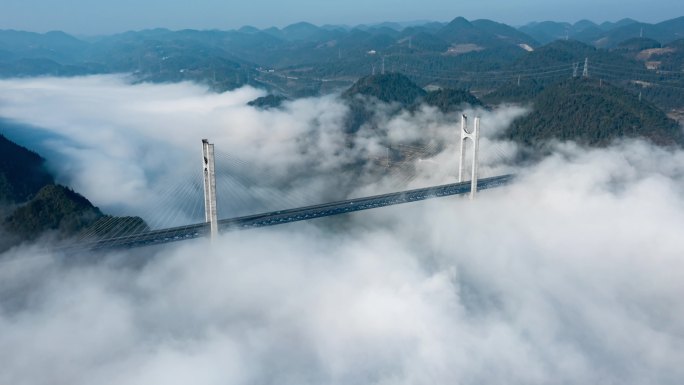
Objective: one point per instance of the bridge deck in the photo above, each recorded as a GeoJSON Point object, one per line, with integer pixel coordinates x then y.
{"type": "Point", "coordinates": [290, 215]}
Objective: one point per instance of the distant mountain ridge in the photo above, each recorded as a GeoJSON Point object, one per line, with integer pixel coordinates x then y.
{"type": "Point", "coordinates": [607, 34]}
{"type": "Point", "coordinates": [481, 56]}
{"type": "Point", "coordinates": [303, 52]}
{"type": "Point", "coordinates": [303, 59]}
{"type": "Point", "coordinates": [229, 59]}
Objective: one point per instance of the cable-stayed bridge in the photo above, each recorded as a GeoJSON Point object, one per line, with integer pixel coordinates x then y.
{"type": "Point", "coordinates": [212, 225]}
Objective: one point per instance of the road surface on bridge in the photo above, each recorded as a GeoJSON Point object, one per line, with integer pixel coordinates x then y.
{"type": "Point", "coordinates": [180, 233]}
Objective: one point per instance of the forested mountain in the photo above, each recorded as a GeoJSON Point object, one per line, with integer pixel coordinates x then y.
{"type": "Point", "coordinates": [592, 112]}
{"type": "Point", "coordinates": [505, 33]}
{"type": "Point", "coordinates": [400, 93]}
{"type": "Point", "coordinates": [605, 35]}
{"type": "Point", "coordinates": [31, 205]}
{"type": "Point", "coordinates": [396, 89]}
{"type": "Point", "coordinates": [268, 101]}
{"type": "Point", "coordinates": [482, 34]}
{"type": "Point", "coordinates": [450, 100]}
{"type": "Point", "coordinates": [57, 46]}
{"type": "Point", "coordinates": [668, 58]}
{"type": "Point", "coordinates": [564, 52]}
{"type": "Point", "coordinates": [389, 88]}
{"type": "Point", "coordinates": [514, 93]}
{"type": "Point", "coordinates": [583, 30]}
{"type": "Point", "coordinates": [625, 67]}
{"type": "Point", "coordinates": [664, 32]}
{"type": "Point", "coordinates": [637, 44]}
{"type": "Point", "coordinates": [53, 208]}
{"type": "Point", "coordinates": [22, 172]}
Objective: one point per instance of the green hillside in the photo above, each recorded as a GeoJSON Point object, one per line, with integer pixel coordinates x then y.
{"type": "Point", "coordinates": [388, 88]}
{"type": "Point", "coordinates": [449, 100]}
{"type": "Point", "coordinates": [637, 44]}
{"type": "Point", "coordinates": [66, 213]}
{"type": "Point", "coordinates": [402, 93]}
{"type": "Point", "coordinates": [595, 113]}
{"type": "Point", "coordinates": [268, 101]}
{"type": "Point", "coordinates": [515, 93]}
{"type": "Point", "coordinates": [22, 172]}
{"type": "Point", "coordinates": [31, 204]}
{"type": "Point", "coordinates": [53, 208]}
{"type": "Point", "coordinates": [562, 52]}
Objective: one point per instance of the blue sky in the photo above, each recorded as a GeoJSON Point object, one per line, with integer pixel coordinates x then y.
{"type": "Point", "coordinates": [108, 16]}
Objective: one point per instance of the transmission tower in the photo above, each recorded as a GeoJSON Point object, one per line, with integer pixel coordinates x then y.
{"type": "Point", "coordinates": [585, 72]}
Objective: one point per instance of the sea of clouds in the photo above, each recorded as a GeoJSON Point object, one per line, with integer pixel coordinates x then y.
{"type": "Point", "coordinates": [570, 275]}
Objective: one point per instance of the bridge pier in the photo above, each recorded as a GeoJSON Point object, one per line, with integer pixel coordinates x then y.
{"type": "Point", "coordinates": [474, 136]}
{"type": "Point", "coordinates": [210, 213]}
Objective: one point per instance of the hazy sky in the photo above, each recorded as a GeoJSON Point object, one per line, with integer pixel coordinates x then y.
{"type": "Point", "coordinates": [98, 16]}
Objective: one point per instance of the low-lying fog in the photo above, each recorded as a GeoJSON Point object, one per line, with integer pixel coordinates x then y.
{"type": "Point", "coordinates": [570, 275]}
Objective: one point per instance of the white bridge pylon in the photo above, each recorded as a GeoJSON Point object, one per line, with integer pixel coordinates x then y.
{"type": "Point", "coordinates": [210, 213]}
{"type": "Point", "coordinates": [208, 167]}
{"type": "Point", "coordinates": [474, 136]}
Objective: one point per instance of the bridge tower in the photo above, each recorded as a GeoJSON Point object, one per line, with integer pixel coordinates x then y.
{"type": "Point", "coordinates": [474, 136]}
{"type": "Point", "coordinates": [210, 214]}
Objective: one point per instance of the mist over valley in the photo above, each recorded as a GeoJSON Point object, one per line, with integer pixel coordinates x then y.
{"type": "Point", "coordinates": [569, 273]}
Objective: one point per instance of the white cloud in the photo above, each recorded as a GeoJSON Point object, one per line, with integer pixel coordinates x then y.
{"type": "Point", "coordinates": [132, 149]}
{"type": "Point", "coordinates": [569, 275]}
